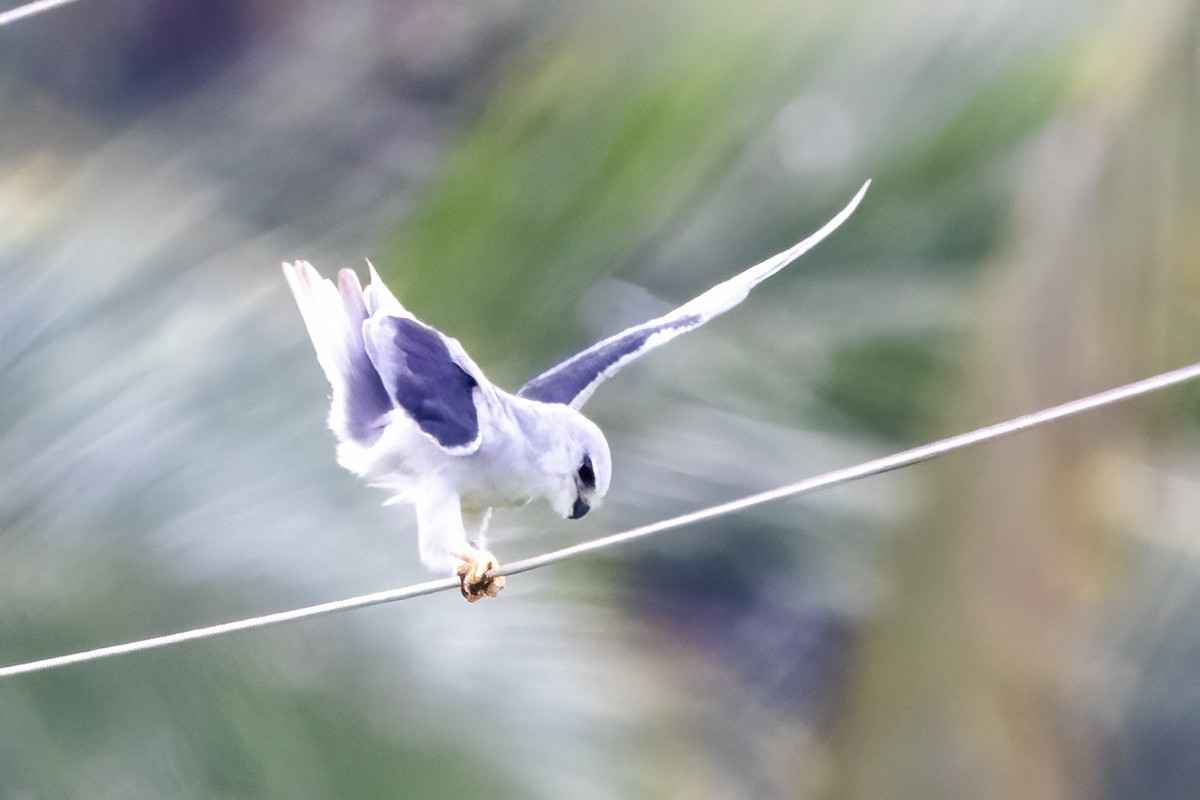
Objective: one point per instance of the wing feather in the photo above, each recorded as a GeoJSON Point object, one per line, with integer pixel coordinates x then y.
{"type": "Point", "coordinates": [378, 358]}
{"type": "Point", "coordinates": [423, 378]}
{"type": "Point", "coordinates": [334, 318]}
{"type": "Point", "coordinates": [573, 381]}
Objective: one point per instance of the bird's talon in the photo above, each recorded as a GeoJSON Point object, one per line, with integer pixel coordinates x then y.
{"type": "Point", "coordinates": [475, 576]}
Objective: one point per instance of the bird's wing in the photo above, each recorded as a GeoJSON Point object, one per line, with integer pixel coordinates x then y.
{"type": "Point", "coordinates": [429, 376]}
{"type": "Point", "coordinates": [573, 381]}
{"type": "Point", "coordinates": [334, 318]}
{"type": "Point", "coordinates": [378, 357]}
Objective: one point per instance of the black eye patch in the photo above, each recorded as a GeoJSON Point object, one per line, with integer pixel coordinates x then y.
{"type": "Point", "coordinates": [587, 475]}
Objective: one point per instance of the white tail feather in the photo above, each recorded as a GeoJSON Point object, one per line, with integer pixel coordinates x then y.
{"type": "Point", "coordinates": [330, 317]}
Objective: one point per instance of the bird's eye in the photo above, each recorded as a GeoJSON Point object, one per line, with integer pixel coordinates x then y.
{"type": "Point", "coordinates": [587, 475]}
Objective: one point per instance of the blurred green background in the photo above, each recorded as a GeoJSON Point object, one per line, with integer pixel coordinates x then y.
{"type": "Point", "coordinates": [1017, 621]}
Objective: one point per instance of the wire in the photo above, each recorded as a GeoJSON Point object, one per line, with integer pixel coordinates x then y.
{"type": "Point", "coordinates": [874, 467]}
{"type": "Point", "coordinates": [29, 9]}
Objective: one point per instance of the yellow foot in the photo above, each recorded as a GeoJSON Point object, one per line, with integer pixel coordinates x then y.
{"type": "Point", "coordinates": [475, 575]}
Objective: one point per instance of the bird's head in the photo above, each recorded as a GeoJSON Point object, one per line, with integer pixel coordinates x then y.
{"type": "Point", "coordinates": [579, 466]}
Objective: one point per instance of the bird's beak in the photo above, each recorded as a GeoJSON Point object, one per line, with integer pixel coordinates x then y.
{"type": "Point", "coordinates": [579, 509]}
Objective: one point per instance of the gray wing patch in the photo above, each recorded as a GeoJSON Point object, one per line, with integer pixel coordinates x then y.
{"type": "Point", "coordinates": [573, 381]}
{"type": "Point", "coordinates": [367, 401]}
{"type": "Point", "coordinates": [423, 378]}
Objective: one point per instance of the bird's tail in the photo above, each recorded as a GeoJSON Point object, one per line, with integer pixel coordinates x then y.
{"type": "Point", "coordinates": [334, 318]}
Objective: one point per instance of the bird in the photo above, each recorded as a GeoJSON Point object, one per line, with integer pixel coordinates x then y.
{"type": "Point", "coordinates": [414, 415]}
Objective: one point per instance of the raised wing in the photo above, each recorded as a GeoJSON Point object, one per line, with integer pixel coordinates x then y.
{"type": "Point", "coordinates": [334, 317]}
{"type": "Point", "coordinates": [422, 377]}
{"type": "Point", "coordinates": [573, 381]}
{"type": "Point", "coordinates": [378, 358]}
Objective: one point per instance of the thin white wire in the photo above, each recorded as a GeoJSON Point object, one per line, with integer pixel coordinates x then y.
{"type": "Point", "coordinates": [29, 9]}
{"type": "Point", "coordinates": [875, 467]}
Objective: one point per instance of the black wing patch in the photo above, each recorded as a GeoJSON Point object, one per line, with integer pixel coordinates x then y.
{"type": "Point", "coordinates": [423, 378]}
{"type": "Point", "coordinates": [573, 380]}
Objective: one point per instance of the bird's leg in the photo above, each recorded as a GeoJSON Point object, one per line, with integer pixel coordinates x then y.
{"type": "Point", "coordinates": [474, 573]}
{"type": "Point", "coordinates": [443, 541]}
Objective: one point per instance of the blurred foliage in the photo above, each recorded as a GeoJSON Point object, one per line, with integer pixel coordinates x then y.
{"type": "Point", "coordinates": [887, 386]}
{"type": "Point", "coordinates": [593, 144]}
{"type": "Point", "coordinates": [946, 187]}
{"type": "Point", "coordinates": [996, 626]}
{"type": "Point", "coordinates": [1023, 554]}
{"type": "Point", "coordinates": [228, 720]}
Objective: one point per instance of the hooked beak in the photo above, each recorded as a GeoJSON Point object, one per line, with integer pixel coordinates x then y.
{"type": "Point", "coordinates": [579, 509]}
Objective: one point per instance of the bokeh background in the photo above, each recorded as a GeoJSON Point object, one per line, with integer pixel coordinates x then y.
{"type": "Point", "coordinates": [1017, 621]}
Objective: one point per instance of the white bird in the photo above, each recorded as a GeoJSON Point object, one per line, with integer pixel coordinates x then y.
{"type": "Point", "coordinates": [415, 416]}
